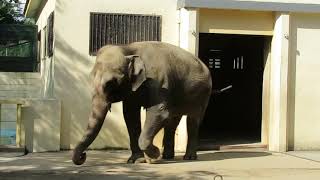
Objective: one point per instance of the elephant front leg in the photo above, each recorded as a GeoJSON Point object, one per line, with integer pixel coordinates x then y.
{"type": "Point", "coordinates": [131, 113]}
{"type": "Point", "coordinates": [168, 139]}
{"type": "Point", "coordinates": [155, 118]}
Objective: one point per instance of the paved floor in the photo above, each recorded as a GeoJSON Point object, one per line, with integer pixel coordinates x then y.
{"type": "Point", "coordinates": [226, 165]}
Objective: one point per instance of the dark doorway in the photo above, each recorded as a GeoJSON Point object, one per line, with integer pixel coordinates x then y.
{"type": "Point", "coordinates": [234, 112]}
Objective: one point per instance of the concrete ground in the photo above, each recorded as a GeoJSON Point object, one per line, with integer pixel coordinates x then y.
{"type": "Point", "coordinates": [213, 165]}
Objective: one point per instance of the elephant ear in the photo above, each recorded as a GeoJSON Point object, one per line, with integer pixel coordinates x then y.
{"type": "Point", "coordinates": [136, 71]}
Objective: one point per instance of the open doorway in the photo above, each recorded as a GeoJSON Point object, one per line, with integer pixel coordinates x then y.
{"type": "Point", "coordinates": [234, 113]}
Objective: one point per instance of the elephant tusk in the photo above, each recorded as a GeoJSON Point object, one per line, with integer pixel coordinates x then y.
{"type": "Point", "coordinates": [109, 107]}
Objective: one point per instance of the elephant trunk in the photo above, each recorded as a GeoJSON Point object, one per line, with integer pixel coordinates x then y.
{"type": "Point", "coordinates": [97, 116]}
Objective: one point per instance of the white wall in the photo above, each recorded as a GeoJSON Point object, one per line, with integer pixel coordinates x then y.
{"type": "Point", "coordinates": [278, 84]}
{"type": "Point", "coordinates": [73, 64]}
{"type": "Point", "coordinates": [19, 85]}
{"type": "Point", "coordinates": [255, 5]}
{"type": "Point", "coordinates": [292, 79]}
{"type": "Point", "coordinates": [41, 120]}
{"type": "Point", "coordinates": [16, 86]}
{"type": "Point", "coordinates": [46, 62]}
{"type": "Point", "coordinates": [22, 85]}
{"type": "Point", "coordinates": [305, 33]}
{"type": "Point", "coordinates": [236, 22]}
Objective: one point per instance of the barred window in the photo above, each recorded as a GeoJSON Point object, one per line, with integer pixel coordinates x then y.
{"type": "Point", "coordinates": [107, 28]}
{"type": "Point", "coordinates": [49, 45]}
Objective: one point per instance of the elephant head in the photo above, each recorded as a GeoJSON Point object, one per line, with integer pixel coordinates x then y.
{"type": "Point", "coordinates": [115, 74]}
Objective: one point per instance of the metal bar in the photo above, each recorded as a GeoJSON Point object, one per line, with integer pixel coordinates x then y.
{"type": "Point", "coordinates": [98, 24]}
{"type": "Point", "coordinates": [8, 46]}
{"type": "Point", "coordinates": [241, 62]}
{"type": "Point", "coordinates": [143, 24]}
{"type": "Point", "coordinates": [18, 126]}
{"type": "Point", "coordinates": [138, 28]}
{"type": "Point", "coordinates": [160, 28]}
{"type": "Point", "coordinates": [108, 29]}
{"type": "Point", "coordinates": [95, 22]}
{"type": "Point", "coordinates": [0, 124]}
{"type": "Point", "coordinates": [125, 29]}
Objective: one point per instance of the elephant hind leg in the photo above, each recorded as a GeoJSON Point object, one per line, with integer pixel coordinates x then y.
{"type": "Point", "coordinates": [168, 139]}
{"type": "Point", "coordinates": [193, 123]}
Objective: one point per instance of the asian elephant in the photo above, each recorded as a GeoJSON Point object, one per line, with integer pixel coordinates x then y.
{"type": "Point", "coordinates": [166, 80]}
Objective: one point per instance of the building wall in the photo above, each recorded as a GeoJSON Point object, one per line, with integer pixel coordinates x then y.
{"type": "Point", "coordinates": [236, 22]}
{"type": "Point", "coordinates": [279, 50]}
{"type": "Point", "coordinates": [15, 86]}
{"type": "Point", "coordinates": [305, 64]}
{"type": "Point", "coordinates": [73, 64]}
{"type": "Point", "coordinates": [290, 101]}
{"type": "Point", "coordinates": [286, 1]}
{"type": "Point", "coordinates": [65, 77]}
{"type": "Point", "coordinates": [41, 123]}
{"type": "Point", "coordinates": [19, 85]}
{"type": "Point", "coordinates": [40, 113]}
{"type": "Point", "coordinates": [46, 62]}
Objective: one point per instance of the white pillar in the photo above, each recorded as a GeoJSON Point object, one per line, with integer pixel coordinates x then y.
{"type": "Point", "coordinates": [189, 30]}
{"type": "Point", "coordinates": [188, 40]}
{"type": "Point", "coordinates": [278, 138]}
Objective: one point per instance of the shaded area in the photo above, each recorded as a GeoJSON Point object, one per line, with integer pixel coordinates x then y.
{"type": "Point", "coordinates": [100, 165]}
{"type": "Point", "coordinates": [240, 164]}
{"type": "Point", "coordinates": [218, 156]}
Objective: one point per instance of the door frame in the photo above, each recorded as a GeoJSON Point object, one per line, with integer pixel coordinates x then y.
{"type": "Point", "coordinates": [275, 98]}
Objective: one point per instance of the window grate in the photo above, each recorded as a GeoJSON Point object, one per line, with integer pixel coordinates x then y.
{"type": "Point", "coordinates": [110, 28]}
{"type": "Point", "coordinates": [50, 35]}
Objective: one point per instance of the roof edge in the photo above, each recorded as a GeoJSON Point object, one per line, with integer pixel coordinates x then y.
{"type": "Point", "coordinates": [33, 8]}
{"type": "Point", "coordinates": [250, 5]}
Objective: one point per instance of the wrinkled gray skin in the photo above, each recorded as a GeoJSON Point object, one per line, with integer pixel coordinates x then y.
{"type": "Point", "coordinates": [168, 81]}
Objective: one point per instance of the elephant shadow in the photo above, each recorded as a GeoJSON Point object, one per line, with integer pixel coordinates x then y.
{"type": "Point", "coordinates": [218, 156]}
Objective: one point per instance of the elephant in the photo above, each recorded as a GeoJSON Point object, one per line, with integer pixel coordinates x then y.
{"type": "Point", "coordinates": [167, 81]}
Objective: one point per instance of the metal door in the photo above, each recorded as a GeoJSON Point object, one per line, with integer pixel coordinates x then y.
{"type": "Point", "coordinates": [236, 65]}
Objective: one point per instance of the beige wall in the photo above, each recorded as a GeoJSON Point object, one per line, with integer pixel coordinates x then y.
{"type": "Point", "coordinates": [19, 85]}
{"type": "Point", "coordinates": [266, 91]}
{"type": "Point", "coordinates": [46, 69]}
{"type": "Point", "coordinates": [288, 73]}
{"type": "Point", "coordinates": [236, 22]}
{"type": "Point", "coordinates": [291, 1]}
{"type": "Point", "coordinates": [22, 85]}
{"type": "Point", "coordinates": [305, 50]}
{"type": "Point", "coordinates": [16, 86]}
{"type": "Point", "coordinates": [278, 84]}
{"type": "Point", "coordinates": [73, 64]}
{"type": "Point", "coordinates": [41, 119]}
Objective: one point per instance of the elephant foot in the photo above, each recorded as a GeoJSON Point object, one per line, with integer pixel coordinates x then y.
{"type": "Point", "coordinates": [136, 158]}
{"type": "Point", "coordinates": [152, 152]}
{"type": "Point", "coordinates": [190, 156]}
{"type": "Point", "coordinates": [168, 155]}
